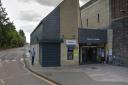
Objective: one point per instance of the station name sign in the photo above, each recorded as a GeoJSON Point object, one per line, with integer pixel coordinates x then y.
{"type": "Point", "coordinates": [93, 39]}
{"type": "Point", "coordinates": [71, 42]}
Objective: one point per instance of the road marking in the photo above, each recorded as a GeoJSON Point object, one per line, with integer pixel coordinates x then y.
{"type": "Point", "coordinates": [13, 60]}
{"type": "Point", "coordinates": [1, 63]}
{"type": "Point", "coordinates": [41, 78]}
{"type": "Point", "coordinates": [2, 81]}
{"type": "Point", "coordinates": [51, 83]}
{"type": "Point", "coordinates": [21, 59]}
{"type": "Point", "coordinates": [6, 61]}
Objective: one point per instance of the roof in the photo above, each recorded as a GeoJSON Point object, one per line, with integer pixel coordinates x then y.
{"type": "Point", "coordinates": [46, 17]}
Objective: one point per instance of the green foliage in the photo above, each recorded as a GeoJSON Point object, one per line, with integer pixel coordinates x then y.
{"type": "Point", "coordinates": [9, 37]}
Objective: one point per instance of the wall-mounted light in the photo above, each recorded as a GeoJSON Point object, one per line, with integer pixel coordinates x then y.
{"type": "Point", "coordinates": [37, 38]}
{"type": "Point", "coordinates": [124, 11]}
{"type": "Point", "coordinates": [62, 38]}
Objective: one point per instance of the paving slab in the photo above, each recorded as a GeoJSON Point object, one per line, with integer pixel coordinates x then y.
{"type": "Point", "coordinates": [91, 74]}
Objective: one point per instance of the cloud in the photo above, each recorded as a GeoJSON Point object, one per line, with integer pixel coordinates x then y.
{"type": "Point", "coordinates": [44, 2]}
{"type": "Point", "coordinates": [82, 2]}
{"type": "Point", "coordinates": [49, 2]}
{"type": "Point", "coordinates": [25, 0]}
{"type": "Point", "coordinates": [29, 16]}
{"type": "Point", "coordinates": [28, 28]}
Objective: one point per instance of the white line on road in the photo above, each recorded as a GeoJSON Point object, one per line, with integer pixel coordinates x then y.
{"type": "Point", "coordinates": [2, 81]}
{"type": "Point", "coordinates": [23, 64]}
{"type": "Point", "coordinates": [21, 59]}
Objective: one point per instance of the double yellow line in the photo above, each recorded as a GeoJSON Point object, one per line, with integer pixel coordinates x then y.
{"type": "Point", "coordinates": [40, 76]}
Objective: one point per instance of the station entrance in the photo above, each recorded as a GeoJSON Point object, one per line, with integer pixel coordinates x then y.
{"type": "Point", "coordinates": [91, 54]}
{"type": "Point", "coordinates": [92, 44]}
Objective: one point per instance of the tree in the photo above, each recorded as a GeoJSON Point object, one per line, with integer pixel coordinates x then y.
{"type": "Point", "coordinates": [9, 37]}
{"type": "Point", "coordinates": [23, 38]}
{"type": "Point", "coordinates": [21, 32]}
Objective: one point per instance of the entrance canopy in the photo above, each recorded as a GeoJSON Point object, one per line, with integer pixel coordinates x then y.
{"type": "Point", "coordinates": [92, 36]}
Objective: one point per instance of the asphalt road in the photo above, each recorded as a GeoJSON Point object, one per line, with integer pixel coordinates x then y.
{"type": "Point", "coordinates": [12, 70]}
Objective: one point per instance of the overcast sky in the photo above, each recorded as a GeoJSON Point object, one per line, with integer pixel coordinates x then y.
{"type": "Point", "coordinates": [26, 14]}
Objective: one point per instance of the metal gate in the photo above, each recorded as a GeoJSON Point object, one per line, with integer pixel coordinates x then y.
{"type": "Point", "coordinates": [50, 54]}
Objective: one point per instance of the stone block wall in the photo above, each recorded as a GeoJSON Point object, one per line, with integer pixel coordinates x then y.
{"type": "Point", "coordinates": [90, 13]}
{"type": "Point", "coordinates": [120, 40]}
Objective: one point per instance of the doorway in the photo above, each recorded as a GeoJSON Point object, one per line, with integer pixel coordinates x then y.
{"type": "Point", "coordinates": [90, 55]}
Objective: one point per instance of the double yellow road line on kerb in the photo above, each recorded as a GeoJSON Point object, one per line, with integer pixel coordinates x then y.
{"type": "Point", "coordinates": [47, 81]}
{"type": "Point", "coordinates": [42, 77]}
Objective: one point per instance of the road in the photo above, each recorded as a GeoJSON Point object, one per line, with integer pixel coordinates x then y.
{"type": "Point", "coordinates": [12, 70]}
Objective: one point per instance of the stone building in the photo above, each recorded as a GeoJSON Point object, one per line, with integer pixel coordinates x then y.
{"type": "Point", "coordinates": [111, 15]}
{"type": "Point", "coordinates": [98, 28]}
{"type": "Point", "coordinates": [55, 38]}
{"type": "Point", "coordinates": [119, 24]}
{"type": "Point", "coordinates": [95, 16]}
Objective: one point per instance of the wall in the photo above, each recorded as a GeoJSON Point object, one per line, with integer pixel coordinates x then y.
{"type": "Point", "coordinates": [119, 8]}
{"type": "Point", "coordinates": [119, 13]}
{"type": "Point", "coordinates": [69, 11]}
{"type": "Point", "coordinates": [48, 29]}
{"type": "Point", "coordinates": [109, 42]}
{"type": "Point", "coordinates": [36, 47]}
{"type": "Point", "coordinates": [36, 34]}
{"type": "Point", "coordinates": [120, 40]}
{"type": "Point", "coordinates": [51, 25]}
{"type": "Point", "coordinates": [91, 12]}
{"type": "Point", "coordinates": [69, 23]}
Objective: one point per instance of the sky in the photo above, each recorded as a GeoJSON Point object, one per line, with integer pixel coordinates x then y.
{"type": "Point", "coordinates": [26, 14]}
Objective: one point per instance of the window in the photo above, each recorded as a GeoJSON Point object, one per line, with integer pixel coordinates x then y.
{"type": "Point", "coordinates": [98, 20]}
{"type": "Point", "coordinates": [87, 22]}
{"type": "Point", "coordinates": [70, 53]}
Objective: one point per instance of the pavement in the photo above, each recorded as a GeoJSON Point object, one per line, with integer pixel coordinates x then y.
{"type": "Point", "coordinates": [91, 74]}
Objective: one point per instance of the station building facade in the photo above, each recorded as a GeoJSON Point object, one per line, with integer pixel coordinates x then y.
{"type": "Point", "coordinates": [71, 33]}
{"type": "Point", "coordinates": [110, 15]}
{"type": "Point", "coordinates": [119, 25]}
{"type": "Point", "coordinates": [95, 16]}
{"type": "Point", "coordinates": [55, 38]}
